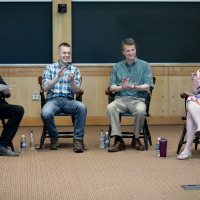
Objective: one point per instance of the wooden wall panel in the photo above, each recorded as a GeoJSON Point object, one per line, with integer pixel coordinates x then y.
{"type": "Point", "coordinates": [166, 106]}
{"type": "Point", "coordinates": [61, 26]}
{"type": "Point", "coordinates": [22, 90]}
{"type": "Point", "coordinates": [160, 97]}
{"type": "Point", "coordinates": [177, 84]}
{"type": "Point", "coordinates": [94, 94]}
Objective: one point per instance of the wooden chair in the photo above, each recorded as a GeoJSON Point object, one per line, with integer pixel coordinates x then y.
{"type": "Point", "coordinates": [61, 134]}
{"type": "Point", "coordinates": [182, 140]}
{"type": "Point", "coordinates": [145, 134]}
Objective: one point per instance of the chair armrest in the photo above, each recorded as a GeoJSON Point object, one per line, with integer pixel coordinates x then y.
{"type": "Point", "coordinates": [42, 97]}
{"type": "Point", "coordinates": [108, 92]}
{"type": "Point", "coordinates": [184, 95]}
{"type": "Point", "coordinates": [3, 96]}
{"type": "Point", "coordinates": [40, 80]}
{"type": "Point", "coordinates": [79, 95]}
{"type": "Point", "coordinates": [111, 95]}
{"type": "Point", "coordinates": [8, 96]}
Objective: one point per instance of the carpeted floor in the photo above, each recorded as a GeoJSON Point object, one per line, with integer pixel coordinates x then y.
{"type": "Point", "coordinates": [97, 174]}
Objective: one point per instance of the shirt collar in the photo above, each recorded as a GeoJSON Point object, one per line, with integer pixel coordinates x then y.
{"type": "Point", "coordinates": [132, 64]}
{"type": "Point", "coordinates": [68, 66]}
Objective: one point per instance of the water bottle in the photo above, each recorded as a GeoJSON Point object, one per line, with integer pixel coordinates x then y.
{"type": "Point", "coordinates": [158, 147]}
{"type": "Point", "coordinates": [107, 140]}
{"type": "Point", "coordinates": [31, 144]}
{"type": "Point", "coordinates": [23, 144]}
{"type": "Point", "coordinates": [101, 140]}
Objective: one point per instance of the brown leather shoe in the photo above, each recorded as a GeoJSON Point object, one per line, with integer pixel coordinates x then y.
{"type": "Point", "coordinates": [118, 146]}
{"type": "Point", "coordinates": [136, 144]}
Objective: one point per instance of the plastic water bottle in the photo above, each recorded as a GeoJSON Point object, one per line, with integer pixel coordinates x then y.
{"type": "Point", "coordinates": [31, 144]}
{"type": "Point", "coordinates": [23, 144]}
{"type": "Point", "coordinates": [101, 140]}
{"type": "Point", "coordinates": [158, 147]}
{"type": "Point", "coordinates": [107, 140]}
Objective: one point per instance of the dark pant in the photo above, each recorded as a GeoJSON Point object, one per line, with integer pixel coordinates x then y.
{"type": "Point", "coordinates": [14, 114]}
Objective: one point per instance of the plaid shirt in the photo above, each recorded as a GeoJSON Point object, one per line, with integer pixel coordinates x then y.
{"type": "Point", "coordinates": [62, 88]}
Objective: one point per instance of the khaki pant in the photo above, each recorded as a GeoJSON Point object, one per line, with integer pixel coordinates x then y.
{"type": "Point", "coordinates": [124, 105]}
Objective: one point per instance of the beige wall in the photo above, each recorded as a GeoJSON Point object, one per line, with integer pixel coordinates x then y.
{"type": "Point", "coordinates": [166, 106]}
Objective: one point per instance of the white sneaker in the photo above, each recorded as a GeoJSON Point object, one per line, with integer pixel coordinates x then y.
{"type": "Point", "coordinates": [184, 155]}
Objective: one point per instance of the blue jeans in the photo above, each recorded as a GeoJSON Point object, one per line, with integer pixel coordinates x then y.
{"type": "Point", "coordinates": [64, 105]}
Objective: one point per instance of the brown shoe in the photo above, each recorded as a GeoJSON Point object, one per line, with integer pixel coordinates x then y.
{"type": "Point", "coordinates": [136, 144]}
{"type": "Point", "coordinates": [118, 146]}
{"type": "Point", "coordinates": [54, 143]}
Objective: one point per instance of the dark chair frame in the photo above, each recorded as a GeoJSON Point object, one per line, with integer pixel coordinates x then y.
{"type": "Point", "coordinates": [182, 138]}
{"type": "Point", "coordinates": [61, 134]}
{"type": "Point", "coordinates": [145, 134]}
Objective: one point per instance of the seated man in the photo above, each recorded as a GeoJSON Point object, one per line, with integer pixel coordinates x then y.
{"type": "Point", "coordinates": [61, 81]}
{"type": "Point", "coordinates": [130, 79]}
{"type": "Point", "coordinates": [14, 114]}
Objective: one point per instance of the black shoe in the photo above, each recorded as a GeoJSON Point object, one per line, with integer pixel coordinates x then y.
{"type": "Point", "coordinates": [5, 151]}
{"type": "Point", "coordinates": [54, 143]}
{"type": "Point", "coordinates": [78, 146]}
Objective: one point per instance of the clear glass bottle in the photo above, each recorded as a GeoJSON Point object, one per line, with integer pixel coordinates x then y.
{"type": "Point", "coordinates": [101, 140]}
{"type": "Point", "coordinates": [31, 143]}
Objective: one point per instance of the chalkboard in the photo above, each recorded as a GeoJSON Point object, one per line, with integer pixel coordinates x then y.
{"type": "Point", "coordinates": [25, 32]}
{"type": "Point", "coordinates": [165, 32]}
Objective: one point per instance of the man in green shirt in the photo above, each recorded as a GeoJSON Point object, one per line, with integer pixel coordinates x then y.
{"type": "Point", "coordinates": [130, 80]}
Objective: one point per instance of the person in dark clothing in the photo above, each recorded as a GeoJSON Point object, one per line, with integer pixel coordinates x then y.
{"type": "Point", "coordinates": [14, 114]}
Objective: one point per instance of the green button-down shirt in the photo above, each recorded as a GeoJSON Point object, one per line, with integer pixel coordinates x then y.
{"type": "Point", "coordinates": [138, 73]}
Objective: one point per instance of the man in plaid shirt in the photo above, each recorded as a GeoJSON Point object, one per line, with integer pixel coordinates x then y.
{"type": "Point", "coordinates": [61, 81]}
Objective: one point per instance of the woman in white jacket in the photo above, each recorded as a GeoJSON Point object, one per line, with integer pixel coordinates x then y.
{"type": "Point", "coordinates": [193, 117]}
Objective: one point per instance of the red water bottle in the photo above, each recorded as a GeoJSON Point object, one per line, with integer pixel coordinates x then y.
{"type": "Point", "coordinates": [163, 147]}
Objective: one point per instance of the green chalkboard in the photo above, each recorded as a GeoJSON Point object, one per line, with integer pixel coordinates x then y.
{"type": "Point", "coordinates": [165, 32]}
{"type": "Point", "coordinates": [25, 32]}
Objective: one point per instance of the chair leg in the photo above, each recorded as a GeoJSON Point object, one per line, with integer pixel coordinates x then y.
{"type": "Point", "coordinates": [43, 136]}
{"type": "Point", "coordinates": [109, 129]}
{"type": "Point", "coordinates": [196, 141]}
{"type": "Point", "coordinates": [181, 141]}
{"type": "Point", "coordinates": [145, 138]}
{"type": "Point", "coordinates": [147, 131]}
